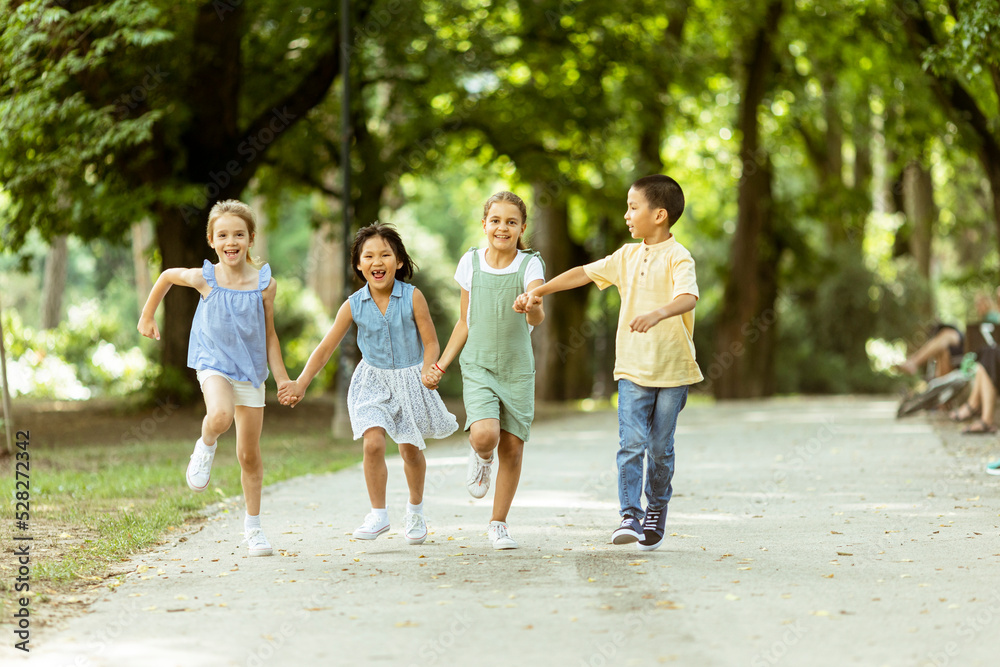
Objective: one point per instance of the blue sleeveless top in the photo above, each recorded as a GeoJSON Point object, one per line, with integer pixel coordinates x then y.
{"type": "Point", "coordinates": [390, 340]}
{"type": "Point", "coordinates": [229, 333]}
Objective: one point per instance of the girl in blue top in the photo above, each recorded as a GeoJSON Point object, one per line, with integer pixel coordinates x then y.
{"type": "Point", "coordinates": [398, 346]}
{"type": "Point", "coordinates": [232, 343]}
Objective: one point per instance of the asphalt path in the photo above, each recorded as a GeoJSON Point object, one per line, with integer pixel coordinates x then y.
{"type": "Point", "coordinates": [801, 532]}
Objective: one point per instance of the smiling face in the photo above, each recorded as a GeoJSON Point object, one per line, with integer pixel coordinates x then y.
{"type": "Point", "coordinates": [644, 221]}
{"type": "Point", "coordinates": [378, 263]}
{"type": "Point", "coordinates": [231, 239]}
{"type": "Point", "coordinates": [503, 225]}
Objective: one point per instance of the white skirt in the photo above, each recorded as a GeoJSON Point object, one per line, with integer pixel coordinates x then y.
{"type": "Point", "coordinates": [396, 400]}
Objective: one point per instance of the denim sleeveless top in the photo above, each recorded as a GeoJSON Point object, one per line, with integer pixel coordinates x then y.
{"type": "Point", "coordinates": [390, 340]}
{"type": "Point", "coordinates": [229, 333]}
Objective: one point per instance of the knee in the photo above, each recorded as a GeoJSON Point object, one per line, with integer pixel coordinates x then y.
{"type": "Point", "coordinates": [219, 420]}
{"type": "Point", "coordinates": [250, 459]}
{"type": "Point", "coordinates": [411, 454]}
{"type": "Point", "coordinates": [484, 439]}
{"type": "Point", "coordinates": [374, 445]}
{"type": "Point", "coordinates": [512, 455]}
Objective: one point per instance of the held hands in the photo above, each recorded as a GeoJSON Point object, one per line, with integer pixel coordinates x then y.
{"type": "Point", "coordinates": [290, 393]}
{"type": "Point", "coordinates": [644, 323]}
{"type": "Point", "coordinates": [525, 302]}
{"type": "Point", "coordinates": [431, 377]}
{"type": "Point", "coordinates": [147, 327]}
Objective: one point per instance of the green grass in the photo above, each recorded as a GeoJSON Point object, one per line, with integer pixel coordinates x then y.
{"type": "Point", "coordinates": [95, 506]}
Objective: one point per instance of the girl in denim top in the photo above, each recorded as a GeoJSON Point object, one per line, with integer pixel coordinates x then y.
{"type": "Point", "coordinates": [398, 345]}
{"type": "Point", "coordinates": [232, 342]}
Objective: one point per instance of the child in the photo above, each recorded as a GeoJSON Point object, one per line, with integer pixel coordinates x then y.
{"type": "Point", "coordinates": [654, 348]}
{"type": "Point", "coordinates": [498, 367]}
{"type": "Point", "coordinates": [232, 343]}
{"type": "Point", "coordinates": [398, 343]}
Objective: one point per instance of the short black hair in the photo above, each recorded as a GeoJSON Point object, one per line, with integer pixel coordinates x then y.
{"type": "Point", "coordinates": [662, 192]}
{"type": "Point", "coordinates": [391, 236]}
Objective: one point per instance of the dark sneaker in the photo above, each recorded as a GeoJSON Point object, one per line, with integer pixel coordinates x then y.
{"type": "Point", "coordinates": [653, 528]}
{"type": "Point", "coordinates": [629, 531]}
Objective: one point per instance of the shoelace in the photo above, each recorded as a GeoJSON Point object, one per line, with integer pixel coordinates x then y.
{"type": "Point", "coordinates": [412, 521]}
{"type": "Point", "coordinates": [255, 537]}
{"type": "Point", "coordinates": [501, 531]}
{"type": "Point", "coordinates": [652, 517]}
{"type": "Point", "coordinates": [484, 471]}
{"type": "Point", "coordinates": [371, 521]}
{"type": "Point", "coordinates": [200, 459]}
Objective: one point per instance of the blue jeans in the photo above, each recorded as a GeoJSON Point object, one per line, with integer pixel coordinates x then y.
{"type": "Point", "coordinates": [647, 419]}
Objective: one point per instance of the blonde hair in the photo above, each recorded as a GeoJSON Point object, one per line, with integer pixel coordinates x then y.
{"type": "Point", "coordinates": [236, 208]}
{"type": "Point", "coordinates": [509, 198]}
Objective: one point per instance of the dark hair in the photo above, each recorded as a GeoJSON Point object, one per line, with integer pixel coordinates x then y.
{"type": "Point", "coordinates": [509, 198]}
{"type": "Point", "coordinates": [391, 236]}
{"type": "Point", "coordinates": [662, 192]}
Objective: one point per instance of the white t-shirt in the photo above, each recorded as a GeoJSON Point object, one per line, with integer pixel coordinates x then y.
{"type": "Point", "coordinates": [463, 274]}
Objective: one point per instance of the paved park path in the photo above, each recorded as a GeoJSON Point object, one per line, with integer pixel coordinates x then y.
{"type": "Point", "coordinates": [802, 532]}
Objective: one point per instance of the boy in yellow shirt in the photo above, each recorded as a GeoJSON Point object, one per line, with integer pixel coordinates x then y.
{"type": "Point", "coordinates": [655, 358]}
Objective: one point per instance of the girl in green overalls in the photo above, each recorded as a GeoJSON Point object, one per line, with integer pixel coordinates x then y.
{"type": "Point", "coordinates": [498, 367]}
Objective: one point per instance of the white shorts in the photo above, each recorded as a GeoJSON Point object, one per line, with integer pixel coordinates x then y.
{"type": "Point", "coordinates": [244, 393]}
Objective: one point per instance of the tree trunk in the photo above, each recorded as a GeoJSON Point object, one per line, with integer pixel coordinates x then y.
{"type": "Point", "coordinates": [182, 244]}
{"type": "Point", "coordinates": [142, 238]}
{"type": "Point", "coordinates": [564, 343]}
{"type": "Point", "coordinates": [918, 203]}
{"type": "Point", "coordinates": [743, 363]}
{"type": "Point", "coordinates": [54, 285]}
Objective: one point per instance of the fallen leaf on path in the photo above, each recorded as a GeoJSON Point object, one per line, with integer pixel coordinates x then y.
{"type": "Point", "coordinates": [407, 624]}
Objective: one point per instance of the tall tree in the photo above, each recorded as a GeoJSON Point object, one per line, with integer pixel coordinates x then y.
{"type": "Point", "coordinates": [131, 108]}
{"type": "Point", "coordinates": [744, 342]}
{"type": "Point", "coordinates": [963, 64]}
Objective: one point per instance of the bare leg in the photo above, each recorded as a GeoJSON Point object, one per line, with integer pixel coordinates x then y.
{"type": "Point", "coordinates": [484, 435]}
{"type": "Point", "coordinates": [510, 451]}
{"type": "Point", "coordinates": [249, 422]}
{"type": "Point", "coordinates": [415, 467]}
{"type": "Point", "coordinates": [939, 344]}
{"type": "Point", "coordinates": [988, 394]}
{"type": "Point", "coordinates": [219, 409]}
{"type": "Point", "coordinates": [376, 473]}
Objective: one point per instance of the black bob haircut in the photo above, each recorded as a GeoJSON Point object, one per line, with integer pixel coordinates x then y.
{"type": "Point", "coordinates": [391, 236]}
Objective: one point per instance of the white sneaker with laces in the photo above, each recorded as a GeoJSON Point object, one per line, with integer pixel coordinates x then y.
{"type": "Point", "coordinates": [499, 536]}
{"type": "Point", "coordinates": [477, 478]}
{"type": "Point", "coordinates": [199, 470]}
{"type": "Point", "coordinates": [257, 544]}
{"type": "Point", "coordinates": [414, 528]}
{"type": "Point", "coordinates": [372, 527]}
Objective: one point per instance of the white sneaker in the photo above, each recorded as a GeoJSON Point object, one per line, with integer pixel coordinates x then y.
{"type": "Point", "coordinates": [257, 544]}
{"type": "Point", "coordinates": [199, 470]}
{"type": "Point", "coordinates": [498, 535]}
{"type": "Point", "coordinates": [372, 527]}
{"type": "Point", "coordinates": [477, 478]}
{"type": "Point", "coordinates": [414, 528]}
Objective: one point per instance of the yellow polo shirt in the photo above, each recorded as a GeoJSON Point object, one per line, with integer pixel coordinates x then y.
{"type": "Point", "coordinates": [649, 277]}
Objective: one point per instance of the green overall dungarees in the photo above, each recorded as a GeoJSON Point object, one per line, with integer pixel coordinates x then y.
{"type": "Point", "coordinates": [498, 366]}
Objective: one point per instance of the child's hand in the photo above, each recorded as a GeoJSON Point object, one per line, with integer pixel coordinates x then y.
{"type": "Point", "coordinates": [289, 393]}
{"type": "Point", "coordinates": [644, 323]}
{"type": "Point", "coordinates": [147, 327]}
{"type": "Point", "coordinates": [525, 302]}
{"type": "Point", "coordinates": [431, 376]}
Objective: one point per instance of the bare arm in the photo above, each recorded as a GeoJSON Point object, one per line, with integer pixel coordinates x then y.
{"type": "Point", "coordinates": [425, 326]}
{"type": "Point", "coordinates": [459, 335]}
{"type": "Point", "coordinates": [274, 359]}
{"type": "Point", "coordinates": [681, 304]}
{"type": "Point", "coordinates": [169, 278]}
{"type": "Point", "coordinates": [295, 390]}
{"type": "Point", "coordinates": [527, 302]}
{"type": "Point", "coordinates": [536, 313]}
